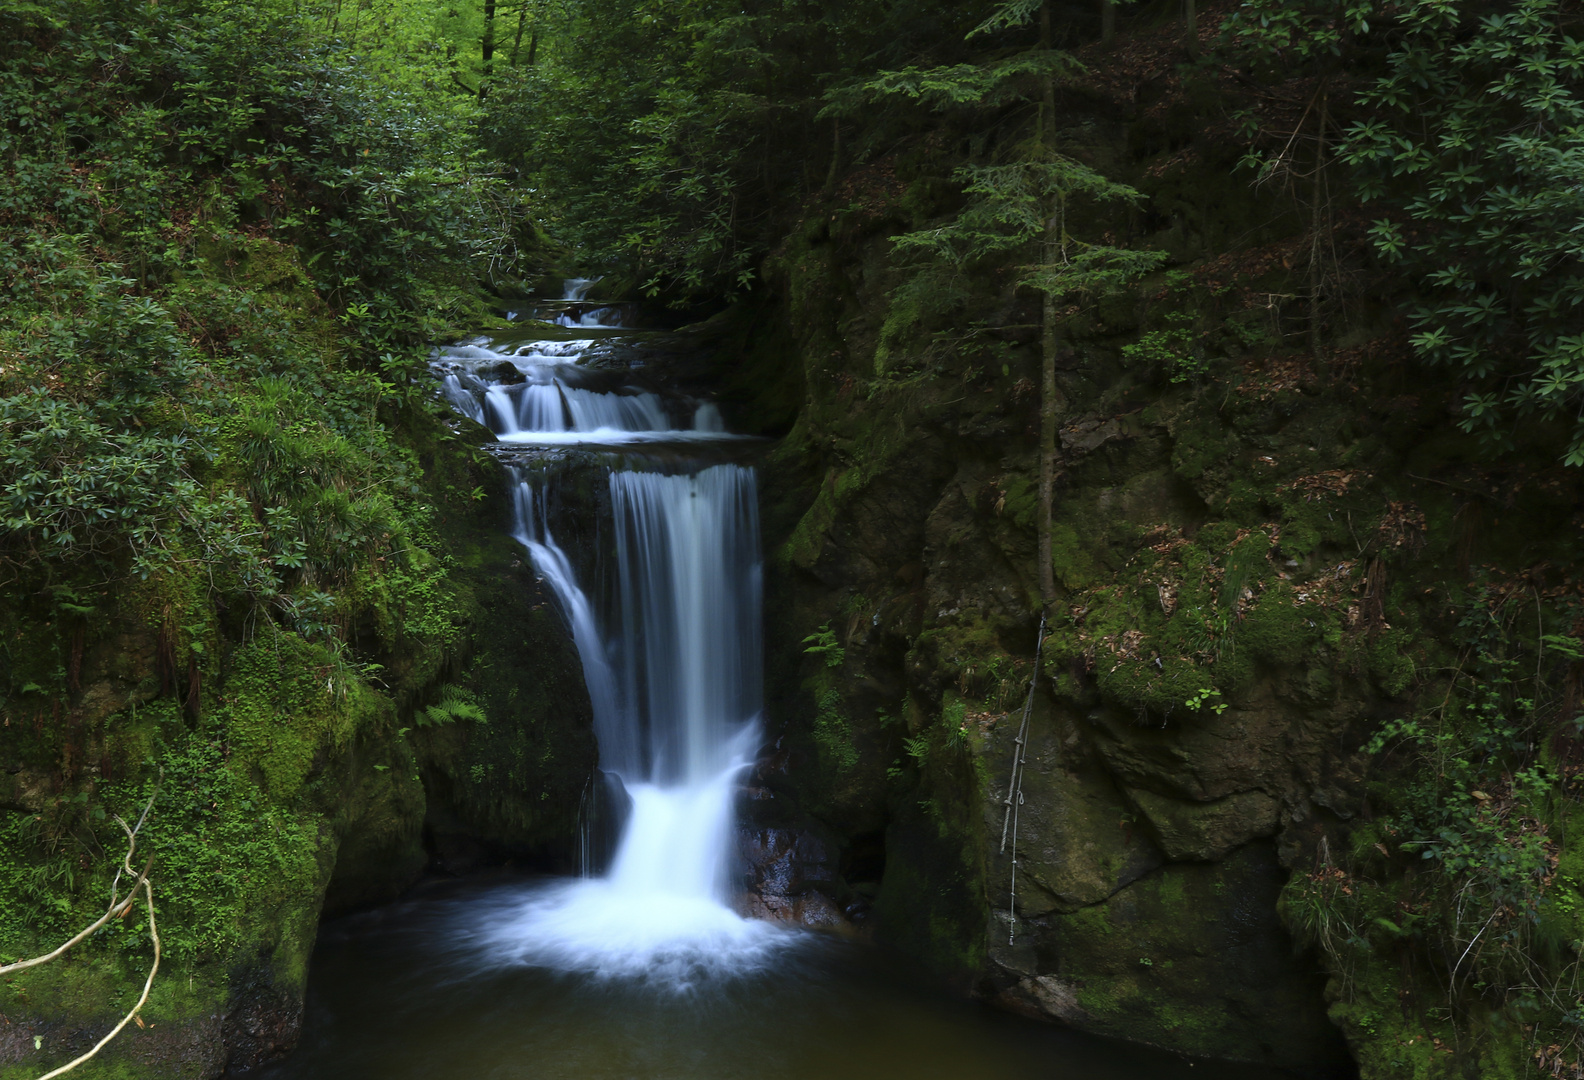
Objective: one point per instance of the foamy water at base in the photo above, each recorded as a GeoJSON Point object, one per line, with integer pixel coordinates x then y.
{"type": "Point", "coordinates": [657, 917]}
{"type": "Point", "coordinates": [425, 990]}
{"type": "Point", "coordinates": [592, 927]}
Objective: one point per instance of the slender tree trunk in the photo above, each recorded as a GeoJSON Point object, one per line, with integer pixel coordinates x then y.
{"type": "Point", "coordinates": [487, 49]}
{"type": "Point", "coordinates": [522, 22]}
{"type": "Point", "coordinates": [533, 44]}
{"type": "Point", "coordinates": [1047, 474]}
{"type": "Point", "coordinates": [1049, 402]}
{"type": "Point", "coordinates": [1316, 227]}
{"type": "Point", "coordinates": [1190, 28]}
{"type": "Point", "coordinates": [1107, 20]}
{"type": "Point", "coordinates": [835, 162]}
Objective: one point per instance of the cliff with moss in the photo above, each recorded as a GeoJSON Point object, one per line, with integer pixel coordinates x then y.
{"type": "Point", "coordinates": [1298, 758]}
{"type": "Point", "coordinates": [1299, 768]}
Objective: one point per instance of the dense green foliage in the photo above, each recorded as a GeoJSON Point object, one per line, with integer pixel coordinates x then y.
{"type": "Point", "coordinates": [1466, 128]}
{"type": "Point", "coordinates": [1461, 899]}
{"type": "Point", "coordinates": [675, 139]}
{"type": "Point", "coordinates": [1475, 134]}
{"type": "Point", "coordinates": [155, 252]}
{"type": "Point", "coordinates": [226, 241]}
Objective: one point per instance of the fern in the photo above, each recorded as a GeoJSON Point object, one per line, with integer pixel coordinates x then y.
{"type": "Point", "coordinates": [823, 643]}
{"type": "Point", "coordinates": [456, 703]}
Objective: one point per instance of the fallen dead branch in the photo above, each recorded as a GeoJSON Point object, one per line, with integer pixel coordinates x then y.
{"type": "Point", "coordinates": [119, 906]}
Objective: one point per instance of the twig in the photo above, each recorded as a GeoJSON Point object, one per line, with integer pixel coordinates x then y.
{"type": "Point", "coordinates": [117, 906]}
{"type": "Point", "coordinates": [148, 984]}
{"type": "Point", "coordinates": [1455, 968]}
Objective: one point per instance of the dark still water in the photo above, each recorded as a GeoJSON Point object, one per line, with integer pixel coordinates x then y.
{"type": "Point", "coordinates": [434, 988]}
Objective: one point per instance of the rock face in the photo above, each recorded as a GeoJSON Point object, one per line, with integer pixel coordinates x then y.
{"type": "Point", "coordinates": [788, 876]}
{"type": "Point", "coordinates": [1191, 954]}
{"type": "Point", "coordinates": [1207, 677]}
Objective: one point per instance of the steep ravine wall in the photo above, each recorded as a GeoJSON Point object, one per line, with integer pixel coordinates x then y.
{"type": "Point", "coordinates": [1262, 555]}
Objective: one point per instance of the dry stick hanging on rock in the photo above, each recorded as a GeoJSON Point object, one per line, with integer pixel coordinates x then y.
{"type": "Point", "coordinates": [1014, 797]}
{"type": "Point", "coordinates": [117, 908]}
{"type": "Point", "coordinates": [148, 984]}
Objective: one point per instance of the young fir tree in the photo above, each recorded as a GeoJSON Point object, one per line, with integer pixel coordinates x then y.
{"type": "Point", "coordinates": [1016, 206]}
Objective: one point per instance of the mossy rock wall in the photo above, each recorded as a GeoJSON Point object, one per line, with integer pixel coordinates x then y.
{"type": "Point", "coordinates": [1261, 556]}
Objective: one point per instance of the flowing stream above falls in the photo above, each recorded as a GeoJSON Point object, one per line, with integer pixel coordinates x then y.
{"type": "Point", "coordinates": [639, 511]}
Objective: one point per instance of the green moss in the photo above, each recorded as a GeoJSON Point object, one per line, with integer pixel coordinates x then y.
{"type": "Point", "coordinates": [1279, 629]}
{"type": "Point", "coordinates": [1171, 891]}
{"type": "Point", "coordinates": [1022, 501]}
{"type": "Point", "coordinates": [1072, 564]}
{"type": "Point", "coordinates": [1199, 445]}
{"type": "Point", "coordinates": [833, 734]}
{"type": "Point", "coordinates": [1179, 958]}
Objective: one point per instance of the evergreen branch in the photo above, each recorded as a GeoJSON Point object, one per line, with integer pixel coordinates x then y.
{"type": "Point", "coordinates": [1008, 13]}
{"type": "Point", "coordinates": [954, 85]}
{"type": "Point", "coordinates": [1094, 268]}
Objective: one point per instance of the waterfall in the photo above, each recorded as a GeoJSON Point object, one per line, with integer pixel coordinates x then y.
{"type": "Point", "coordinates": [667, 626]}
{"type": "Point", "coordinates": [540, 395]}
{"type": "Point", "coordinates": [576, 290]}
{"type": "Point", "coordinates": [555, 568]}
{"type": "Point", "coordinates": [687, 556]}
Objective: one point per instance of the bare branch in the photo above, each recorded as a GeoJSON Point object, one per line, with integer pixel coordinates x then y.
{"type": "Point", "coordinates": [117, 906]}
{"type": "Point", "coordinates": [148, 984]}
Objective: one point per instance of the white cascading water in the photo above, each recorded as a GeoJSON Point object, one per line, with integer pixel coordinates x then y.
{"type": "Point", "coordinates": [546, 405]}
{"type": "Point", "coordinates": [575, 290]}
{"type": "Point", "coordinates": [674, 678]}
{"type": "Point", "coordinates": [687, 558]}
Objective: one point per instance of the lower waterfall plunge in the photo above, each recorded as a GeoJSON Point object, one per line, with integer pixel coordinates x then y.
{"type": "Point", "coordinates": [675, 688]}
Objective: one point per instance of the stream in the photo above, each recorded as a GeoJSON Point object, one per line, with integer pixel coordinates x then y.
{"type": "Point", "coordinates": [639, 509]}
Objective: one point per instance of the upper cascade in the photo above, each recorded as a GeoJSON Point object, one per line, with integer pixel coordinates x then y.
{"type": "Point", "coordinates": [575, 292]}
{"type": "Point", "coordinates": [576, 288]}
{"type": "Point", "coordinates": [543, 393]}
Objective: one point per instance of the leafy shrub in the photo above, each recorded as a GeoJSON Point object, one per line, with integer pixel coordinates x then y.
{"type": "Point", "coordinates": [1458, 874]}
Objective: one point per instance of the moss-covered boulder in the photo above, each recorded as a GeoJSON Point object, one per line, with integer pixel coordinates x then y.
{"type": "Point", "coordinates": [1190, 956]}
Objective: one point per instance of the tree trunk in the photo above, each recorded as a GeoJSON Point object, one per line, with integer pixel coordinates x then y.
{"type": "Point", "coordinates": [835, 161]}
{"type": "Point", "coordinates": [1316, 229]}
{"type": "Point", "coordinates": [1047, 473]}
{"type": "Point", "coordinates": [522, 21]}
{"type": "Point", "coordinates": [1190, 28]}
{"type": "Point", "coordinates": [1049, 401]}
{"type": "Point", "coordinates": [1107, 20]}
{"type": "Point", "coordinates": [487, 48]}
